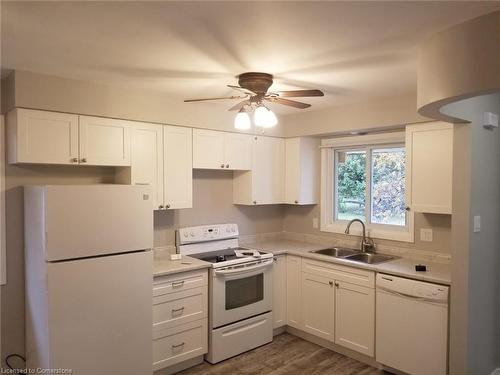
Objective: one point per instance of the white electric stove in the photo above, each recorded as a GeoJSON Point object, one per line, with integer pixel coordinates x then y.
{"type": "Point", "coordinates": [240, 288]}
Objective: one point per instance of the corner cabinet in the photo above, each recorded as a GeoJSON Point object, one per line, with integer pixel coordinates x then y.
{"type": "Point", "coordinates": [429, 165]}
{"type": "Point", "coordinates": [221, 150]}
{"type": "Point", "coordinates": [264, 184]}
{"type": "Point", "coordinates": [162, 158]}
{"type": "Point", "coordinates": [302, 170]}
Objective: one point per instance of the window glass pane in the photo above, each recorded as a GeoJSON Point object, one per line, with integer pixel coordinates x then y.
{"type": "Point", "coordinates": [351, 184]}
{"type": "Point", "coordinates": [388, 186]}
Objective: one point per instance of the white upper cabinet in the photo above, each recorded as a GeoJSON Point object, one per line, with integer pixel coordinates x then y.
{"type": "Point", "coordinates": [162, 158]}
{"type": "Point", "coordinates": [104, 141]}
{"type": "Point", "coordinates": [301, 170]}
{"type": "Point", "coordinates": [178, 167]}
{"type": "Point", "coordinates": [429, 164]}
{"type": "Point", "coordinates": [221, 150]}
{"type": "Point", "coordinates": [147, 159]}
{"type": "Point", "coordinates": [238, 151]}
{"type": "Point", "coordinates": [42, 137]}
{"type": "Point", "coordinates": [264, 184]}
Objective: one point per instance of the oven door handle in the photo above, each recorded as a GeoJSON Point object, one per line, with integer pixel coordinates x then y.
{"type": "Point", "coordinates": [244, 269]}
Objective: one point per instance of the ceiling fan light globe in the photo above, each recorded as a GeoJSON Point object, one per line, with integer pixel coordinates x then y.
{"type": "Point", "coordinates": [264, 118]}
{"type": "Point", "coordinates": [242, 121]}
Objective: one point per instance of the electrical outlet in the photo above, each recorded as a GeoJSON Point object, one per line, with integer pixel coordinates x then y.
{"type": "Point", "coordinates": [426, 234]}
{"type": "Point", "coordinates": [477, 224]}
{"type": "Point", "coordinates": [315, 223]}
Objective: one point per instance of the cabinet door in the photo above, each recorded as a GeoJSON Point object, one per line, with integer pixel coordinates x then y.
{"type": "Point", "coordinates": [355, 317]}
{"type": "Point", "coordinates": [301, 170]}
{"type": "Point", "coordinates": [42, 137]}
{"type": "Point", "coordinates": [178, 167]}
{"type": "Point", "coordinates": [238, 151]}
{"type": "Point", "coordinates": [268, 170]}
{"type": "Point", "coordinates": [104, 141]}
{"type": "Point", "coordinates": [429, 164]}
{"type": "Point", "coordinates": [147, 159]}
{"type": "Point", "coordinates": [318, 305]}
{"type": "Point", "coordinates": [208, 149]}
{"type": "Point", "coordinates": [293, 284]}
{"type": "Point", "coordinates": [279, 292]}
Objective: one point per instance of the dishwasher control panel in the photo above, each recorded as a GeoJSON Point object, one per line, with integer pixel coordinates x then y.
{"type": "Point", "coordinates": [412, 288]}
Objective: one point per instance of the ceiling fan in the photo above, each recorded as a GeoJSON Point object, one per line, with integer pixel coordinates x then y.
{"type": "Point", "coordinates": [254, 88]}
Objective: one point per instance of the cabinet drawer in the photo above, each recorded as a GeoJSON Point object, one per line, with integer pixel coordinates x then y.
{"type": "Point", "coordinates": [174, 345]}
{"type": "Point", "coordinates": [338, 272]}
{"type": "Point", "coordinates": [179, 282]}
{"type": "Point", "coordinates": [180, 307]}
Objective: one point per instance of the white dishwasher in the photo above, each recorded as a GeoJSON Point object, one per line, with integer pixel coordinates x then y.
{"type": "Point", "coordinates": [412, 325]}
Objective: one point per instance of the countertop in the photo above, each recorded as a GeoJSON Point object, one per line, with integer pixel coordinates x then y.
{"type": "Point", "coordinates": [164, 266]}
{"type": "Point", "coordinates": [436, 272]}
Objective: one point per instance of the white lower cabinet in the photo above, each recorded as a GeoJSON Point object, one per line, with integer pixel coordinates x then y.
{"type": "Point", "coordinates": [279, 291]}
{"type": "Point", "coordinates": [180, 318]}
{"type": "Point", "coordinates": [293, 291]}
{"type": "Point", "coordinates": [318, 305]}
{"type": "Point", "coordinates": [331, 301]}
{"type": "Point", "coordinates": [355, 317]}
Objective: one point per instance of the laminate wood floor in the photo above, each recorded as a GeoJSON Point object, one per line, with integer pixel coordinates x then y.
{"type": "Point", "coordinates": [287, 354]}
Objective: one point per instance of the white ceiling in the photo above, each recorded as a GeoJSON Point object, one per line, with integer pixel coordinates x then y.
{"type": "Point", "coordinates": [351, 50]}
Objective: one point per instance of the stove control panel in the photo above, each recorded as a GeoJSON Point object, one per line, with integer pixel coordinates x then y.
{"type": "Point", "coordinates": [207, 233]}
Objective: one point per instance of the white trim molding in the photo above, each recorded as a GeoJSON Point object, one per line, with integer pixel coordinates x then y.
{"type": "Point", "coordinates": [388, 232]}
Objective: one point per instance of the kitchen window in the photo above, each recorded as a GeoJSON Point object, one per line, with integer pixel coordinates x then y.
{"type": "Point", "coordinates": [364, 178]}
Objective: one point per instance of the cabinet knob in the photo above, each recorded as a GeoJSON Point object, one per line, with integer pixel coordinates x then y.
{"type": "Point", "coordinates": [296, 201]}
{"type": "Point", "coordinates": [254, 202]}
{"type": "Point", "coordinates": [331, 283]}
{"type": "Point", "coordinates": [407, 208]}
{"type": "Point", "coordinates": [337, 285]}
{"type": "Point", "coordinates": [227, 165]}
{"type": "Point", "coordinates": [167, 206]}
{"type": "Point", "coordinates": [74, 160]}
{"type": "Point", "coordinates": [83, 160]}
{"type": "Point", "coordinates": [160, 207]}
{"type": "Point", "coordinates": [222, 165]}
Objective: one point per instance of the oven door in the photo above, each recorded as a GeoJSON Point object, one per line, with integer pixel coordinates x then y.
{"type": "Point", "coordinates": [241, 291]}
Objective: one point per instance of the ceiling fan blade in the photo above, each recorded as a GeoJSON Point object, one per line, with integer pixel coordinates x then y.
{"type": "Point", "coordinates": [299, 93]}
{"type": "Point", "coordinates": [290, 103]}
{"type": "Point", "coordinates": [202, 100]}
{"type": "Point", "coordinates": [242, 89]}
{"type": "Point", "coordinates": [240, 105]}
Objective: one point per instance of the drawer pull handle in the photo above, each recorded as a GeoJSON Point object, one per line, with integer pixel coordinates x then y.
{"type": "Point", "coordinates": [176, 284]}
{"type": "Point", "coordinates": [181, 309]}
{"type": "Point", "coordinates": [178, 345]}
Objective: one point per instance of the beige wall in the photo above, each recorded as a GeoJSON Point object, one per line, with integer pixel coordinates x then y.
{"type": "Point", "coordinates": [475, 303]}
{"type": "Point", "coordinates": [300, 219]}
{"type": "Point", "coordinates": [212, 202]}
{"type": "Point", "coordinates": [377, 114]}
{"type": "Point", "coordinates": [39, 91]}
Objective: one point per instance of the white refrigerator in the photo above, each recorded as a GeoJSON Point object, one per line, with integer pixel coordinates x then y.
{"type": "Point", "coordinates": [89, 270]}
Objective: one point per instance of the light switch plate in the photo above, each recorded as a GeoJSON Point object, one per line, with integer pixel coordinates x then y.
{"type": "Point", "coordinates": [175, 256]}
{"type": "Point", "coordinates": [315, 222]}
{"type": "Point", "coordinates": [477, 224]}
{"type": "Point", "coordinates": [426, 234]}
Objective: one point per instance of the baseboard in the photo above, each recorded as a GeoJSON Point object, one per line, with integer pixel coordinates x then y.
{"type": "Point", "coordinates": [336, 348]}
{"type": "Point", "coordinates": [496, 371]}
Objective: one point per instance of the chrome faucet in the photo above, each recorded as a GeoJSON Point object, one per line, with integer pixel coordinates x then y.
{"type": "Point", "coordinates": [367, 244]}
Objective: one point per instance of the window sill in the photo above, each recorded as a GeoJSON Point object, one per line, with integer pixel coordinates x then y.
{"type": "Point", "coordinates": [372, 231]}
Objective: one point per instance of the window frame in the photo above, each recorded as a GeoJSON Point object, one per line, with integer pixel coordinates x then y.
{"type": "Point", "coordinates": [328, 185]}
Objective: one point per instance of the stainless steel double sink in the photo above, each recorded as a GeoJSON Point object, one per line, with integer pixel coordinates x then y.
{"type": "Point", "coordinates": [354, 255]}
